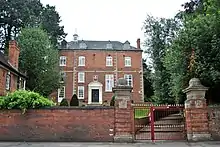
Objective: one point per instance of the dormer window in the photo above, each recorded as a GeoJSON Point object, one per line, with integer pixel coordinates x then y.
{"type": "Point", "coordinates": [109, 46]}
{"type": "Point", "coordinates": [82, 45]}
{"type": "Point", "coordinates": [127, 45]}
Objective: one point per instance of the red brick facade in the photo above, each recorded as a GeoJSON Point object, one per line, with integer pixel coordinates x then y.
{"type": "Point", "coordinates": [95, 65]}
{"type": "Point", "coordinates": [67, 124]}
{"type": "Point", "coordinates": [9, 68]}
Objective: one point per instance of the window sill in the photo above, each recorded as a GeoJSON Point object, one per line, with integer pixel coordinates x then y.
{"type": "Point", "coordinates": [108, 91]}
{"type": "Point", "coordinates": [62, 65]}
{"type": "Point", "coordinates": [81, 82]}
{"type": "Point", "coordinates": [81, 65]}
{"type": "Point", "coordinates": [95, 103]}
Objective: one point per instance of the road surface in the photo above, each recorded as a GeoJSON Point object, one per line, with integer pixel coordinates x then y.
{"type": "Point", "coordinates": [149, 144]}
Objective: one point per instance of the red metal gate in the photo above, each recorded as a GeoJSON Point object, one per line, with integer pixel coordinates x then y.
{"type": "Point", "coordinates": [159, 122]}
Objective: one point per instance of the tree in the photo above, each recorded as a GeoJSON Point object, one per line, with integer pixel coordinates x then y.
{"type": "Point", "coordinates": [39, 60]}
{"type": "Point", "coordinates": [200, 34]}
{"type": "Point", "coordinates": [52, 27]}
{"type": "Point", "coordinates": [148, 83]}
{"type": "Point", "coordinates": [74, 101]}
{"type": "Point", "coordinates": [17, 14]}
{"type": "Point", "coordinates": [160, 33]}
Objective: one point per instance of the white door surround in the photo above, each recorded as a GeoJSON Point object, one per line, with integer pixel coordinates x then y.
{"type": "Point", "coordinates": [94, 85]}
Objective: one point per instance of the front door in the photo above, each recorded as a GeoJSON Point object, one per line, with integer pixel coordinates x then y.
{"type": "Point", "coordinates": [95, 95]}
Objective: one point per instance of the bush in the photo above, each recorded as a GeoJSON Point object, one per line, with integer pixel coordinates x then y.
{"type": "Point", "coordinates": [64, 102]}
{"type": "Point", "coordinates": [22, 99]}
{"type": "Point", "coordinates": [112, 103]}
{"type": "Point", "coordinates": [74, 101]}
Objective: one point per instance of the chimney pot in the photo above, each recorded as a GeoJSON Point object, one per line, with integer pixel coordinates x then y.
{"type": "Point", "coordinates": [138, 43]}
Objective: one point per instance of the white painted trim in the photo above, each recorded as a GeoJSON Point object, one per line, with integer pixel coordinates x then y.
{"type": "Point", "coordinates": [94, 85]}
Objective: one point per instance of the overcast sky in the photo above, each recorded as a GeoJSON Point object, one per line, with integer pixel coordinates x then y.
{"type": "Point", "coordinates": [118, 20]}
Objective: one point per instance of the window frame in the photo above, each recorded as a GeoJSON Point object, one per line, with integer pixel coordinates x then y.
{"type": "Point", "coordinates": [64, 93]}
{"type": "Point", "coordinates": [8, 81]}
{"type": "Point", "coordinates": [110, 78]}
{"type": "Point", "coordinates": [79, 78]}
{"type": "Point", "coordinates": [83, 93]}
{"type": "Point", "coordinates": [109, 61]}
{"type": "Point", "coordinates": [64, 59]}
{"type": "Point", "coordinates": [125, 77]}
{"type": "Point", "coordinates": [62, 76]}
{"type": "Point", "coordinates": [126, 61]}
{"type": "Point", "coordinates": [81, 61]}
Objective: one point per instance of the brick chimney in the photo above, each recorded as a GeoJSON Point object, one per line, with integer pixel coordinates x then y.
{"type": "Point", "coordinates": [13, 53]}
{"type": "Point", "coordinates": [138, 43]}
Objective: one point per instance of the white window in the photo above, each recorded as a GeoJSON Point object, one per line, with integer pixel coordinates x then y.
{"type": "Point", "coordinates": [81, 77]}
{"type": "Point", "coordinates": [109, 61]}
{"type": "Point", "coordinates": [62, 60]}
{"type": "Point", "coordinates": [109, 82]}
{"type": "Point", "coordinates": [81, 61]}
{"type": "Point", "coordinates": [127, 61]}
{"type": "Point", "coordinates": [129, 79]}
{"type": "Point", "coordinates": [62, 76]}
{"type": "Point", "coordinates": [8, 81]}
{"type": "Point", "coordinates": [61, 93]}
{"type": "Point", "coordinates": [80, 92]}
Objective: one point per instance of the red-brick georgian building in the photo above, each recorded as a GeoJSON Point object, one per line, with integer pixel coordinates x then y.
{"type": "Point", "coordinates": [91, 68]}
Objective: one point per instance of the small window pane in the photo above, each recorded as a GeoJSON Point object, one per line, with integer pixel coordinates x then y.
{"type": "Point", "coordinates": [109, 82]}
{"type": "Point", "coordinates": [81, 61]}
{"type": "Point", "coordinates": [109, 61]}
{"type": "Point", "coordinates": [62, 60]}
{"type": "Point", "coordinates": [80, 92]}
{"type": "Point", "coordinates": [61, 93]}
{"type": "Point", "coordinates": [129, 79]}
{"type": "Point", "coordinates": [81, 77]}
{"type": "Point", "coordinates": [127, 61]}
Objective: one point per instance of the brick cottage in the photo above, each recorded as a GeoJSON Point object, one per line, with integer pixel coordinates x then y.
{"type": "Point", "coordinates": [90, 69]}
{"type": "Point", "coordinates": [10, 78]}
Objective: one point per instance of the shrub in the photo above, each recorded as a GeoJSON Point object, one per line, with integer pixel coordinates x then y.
{"type": "Point", "coordinates": [112, 103]}
{"type": "Point", "coordinates": [74, 101]}
{"type": "Point", "coordinates": [22, 99]}
{"type": "Point", "coordinates": [64, 102]}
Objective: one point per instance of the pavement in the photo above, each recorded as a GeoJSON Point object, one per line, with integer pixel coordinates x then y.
{"type": "Point", "coordinates": [87, 144]}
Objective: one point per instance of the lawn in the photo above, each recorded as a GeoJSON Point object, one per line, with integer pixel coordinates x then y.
{"type": "Point", "coordinates": [141, 112]}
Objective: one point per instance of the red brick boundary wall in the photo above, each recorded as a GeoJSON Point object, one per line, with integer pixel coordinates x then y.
{"type": "Point", "coordinates": [58, 124]}
{"type": "Point", "coordinates": [99, 123]}
{"type": "Point", "coordinates": [214, 121]}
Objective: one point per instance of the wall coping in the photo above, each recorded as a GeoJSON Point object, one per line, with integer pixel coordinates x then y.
{"type": "Point", "coordinates": [67, 108]}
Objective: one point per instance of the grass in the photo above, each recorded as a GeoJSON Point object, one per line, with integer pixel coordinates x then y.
{"type": "Point", "coordinates": [140, 113]}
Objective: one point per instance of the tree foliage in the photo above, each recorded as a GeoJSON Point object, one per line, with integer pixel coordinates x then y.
{"type": "Point", "coordinates": [64, 102]}
{"type": "Point", "coordinates": [17, 14]}
{"type": "Point", "coordinates": [148, 83]}
{"type": "Point", "coordinates": [194, 49]}
{"type": "Point", "coordinates": [38, 60]}
{"type": "Point", "coordinates": [159, 32]}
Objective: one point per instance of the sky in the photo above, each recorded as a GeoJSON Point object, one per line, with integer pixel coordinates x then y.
{"type": "Point", "coordinates": [116, 20]}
